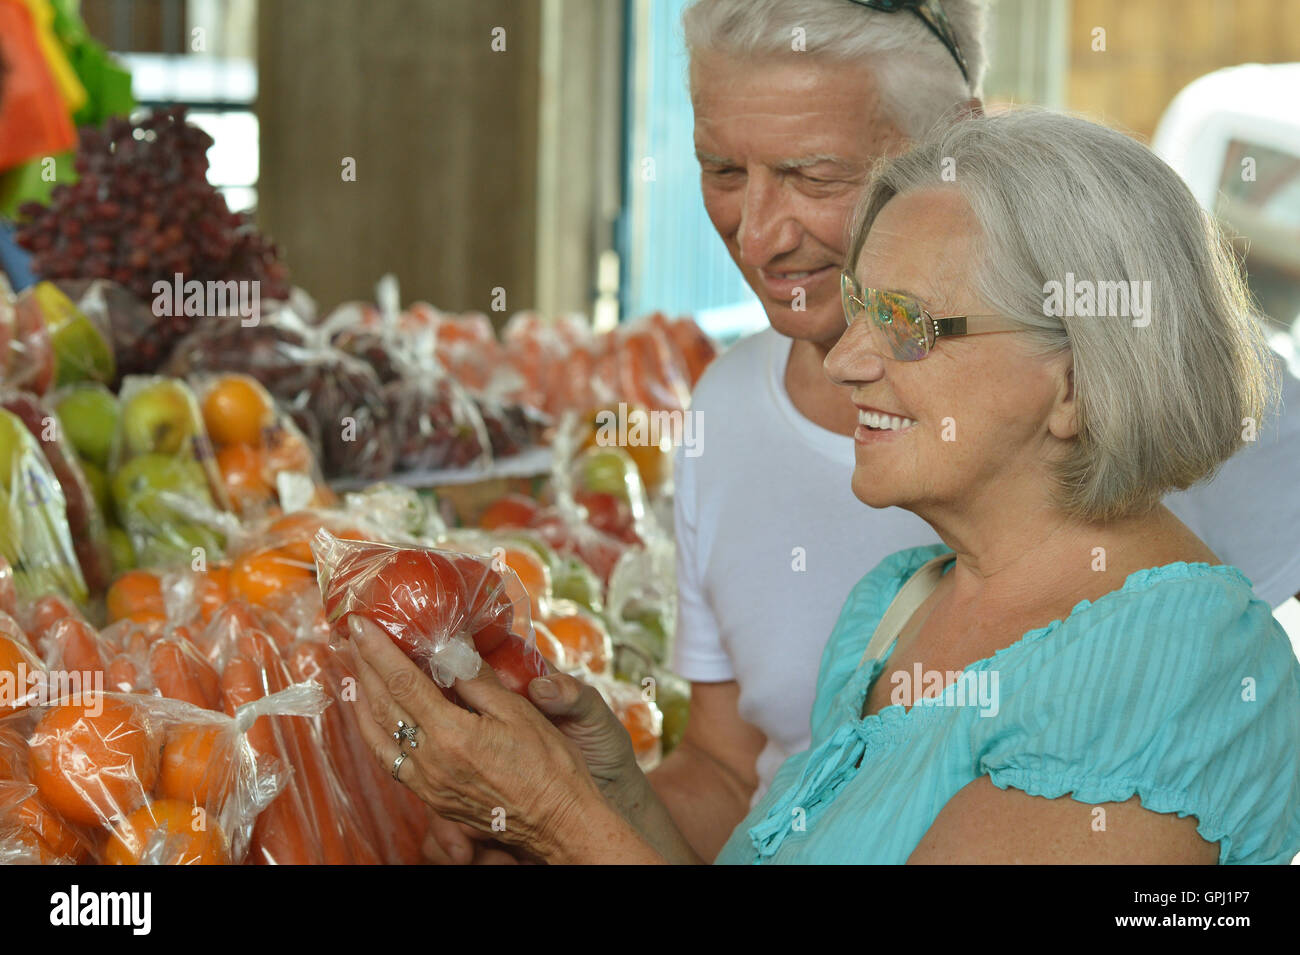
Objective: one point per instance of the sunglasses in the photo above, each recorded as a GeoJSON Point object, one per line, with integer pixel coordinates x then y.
{"type": "Point", "coordinates": [932, 15]}
{"type": "Point", "coordinates": [908, 327]}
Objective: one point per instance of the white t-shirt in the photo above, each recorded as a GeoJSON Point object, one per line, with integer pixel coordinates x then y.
{"type": "Point", "coordinates": [770, 538]}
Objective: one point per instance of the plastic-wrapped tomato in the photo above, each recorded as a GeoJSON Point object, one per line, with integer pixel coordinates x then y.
{"type": "Point", "coordinates": [443, 609]}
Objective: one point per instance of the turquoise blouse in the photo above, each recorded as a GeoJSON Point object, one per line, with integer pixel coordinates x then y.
{"type": "Point", "coordinates": [1179, 687]}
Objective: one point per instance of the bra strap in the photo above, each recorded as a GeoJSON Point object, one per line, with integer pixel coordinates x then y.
{"type": "Point", "coordinates": [905, 603]}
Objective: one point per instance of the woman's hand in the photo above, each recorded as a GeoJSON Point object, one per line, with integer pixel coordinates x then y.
{"type": "Point", "coordinates": [579, 712]}
{"type": "Point", "coordinates": [503, 769]}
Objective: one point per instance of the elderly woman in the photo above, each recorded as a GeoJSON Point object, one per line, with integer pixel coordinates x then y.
{"type": "Point", "coordinates": [1072, 638]}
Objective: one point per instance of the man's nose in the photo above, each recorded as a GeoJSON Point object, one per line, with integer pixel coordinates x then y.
{"type": "Point", "coordinates": [857, 357]}
{"type": "Point", "coordinates": [767, 227]}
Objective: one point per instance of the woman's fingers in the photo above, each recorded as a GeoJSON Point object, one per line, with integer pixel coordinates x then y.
{"type": "Point", "coordinates": [397, 677]}
{"type": "Point", "coordinates": [448, 843]}
{"type": "Point", "coordinates": [485, 694]}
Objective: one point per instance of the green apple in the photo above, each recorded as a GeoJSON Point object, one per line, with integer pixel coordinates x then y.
{"type": "Point", "coordinates": [673, 694]}
{"type": "Point", "coordinates": [80, 351]}
{"type": "Point", "coordinates": [88, 416]}
{"type": "Point", "coordinates": [119, 543]}
{"type": "Point", "coordinates": [652, 625]}
{"type": "Point", "coordinates": [99, 487]}
{"type": "Point", "coordinates": [159, 472]}
{"type": "Point", "coordinates": [159, 418]}
{"type": "Point", "coordinates": [571, 579]}
{"type": "Point", "coordinates": [15, 442]}
{"type": "Point", "coordinates": [607, 470]}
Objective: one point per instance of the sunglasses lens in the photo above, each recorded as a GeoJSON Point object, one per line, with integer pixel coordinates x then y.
{"type": "Point", "coordinates": [899, 319]}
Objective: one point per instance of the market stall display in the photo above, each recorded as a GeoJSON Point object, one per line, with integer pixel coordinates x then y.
{"type": "Point", "coordinates": [196, 508]}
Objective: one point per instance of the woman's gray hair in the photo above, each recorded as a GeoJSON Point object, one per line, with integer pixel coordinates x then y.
{"type": "Point", "coordinates": [1163, 398]}
{"type": "Point", "coordinates": [919, 80]}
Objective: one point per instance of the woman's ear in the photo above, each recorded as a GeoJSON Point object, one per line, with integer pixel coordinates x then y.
{"type": "Point", "coordinates": [1063, 421]}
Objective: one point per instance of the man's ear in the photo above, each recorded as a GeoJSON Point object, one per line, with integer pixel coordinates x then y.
{"type": "Point", "coordinates": [1063, 421]}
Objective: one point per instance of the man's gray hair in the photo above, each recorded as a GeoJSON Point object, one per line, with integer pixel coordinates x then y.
{"type": "Point", "coordinates": [920, 82]}
{"type": "Point", "coordinates": [1163, 398]}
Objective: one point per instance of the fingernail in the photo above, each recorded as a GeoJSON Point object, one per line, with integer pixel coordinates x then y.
{"type": "Point", "coordinates": [356, 629]}
{"type": "Point", "coordinates": [544, 689]}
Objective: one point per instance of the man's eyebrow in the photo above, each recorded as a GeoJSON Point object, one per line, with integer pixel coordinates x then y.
{"type": "Point", "coordinates": [783, 165]}
{"type": "Point", "coordinates": [804, 162]}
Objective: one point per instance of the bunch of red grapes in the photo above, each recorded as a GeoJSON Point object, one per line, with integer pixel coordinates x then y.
{"type": "Point", "coordinates": [143, 211]}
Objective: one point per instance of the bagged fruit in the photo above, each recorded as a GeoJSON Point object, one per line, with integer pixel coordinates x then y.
{"type": "Point", "coordinates": [264, 461]}
{"type": "Point", "coordinates": [84, 514]}
{"type": "Point", "coordinates": [166, 488]}
{"type": "Point", "coordinates": [82, 347]}
{"type": "Point", "coordinates": [331, 395]}
{"type": "Point", "coordinates": [447, 611]}
{"type": "Point", "coordinates": [26, 353]}
{"type": "Point", "coordinates": [34, 534]}
{"type": "Point", "coordinates": [126, 779]}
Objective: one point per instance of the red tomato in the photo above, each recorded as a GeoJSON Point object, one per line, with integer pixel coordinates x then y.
{"type": "Point", "coordinates": [516, 665]}
{"type": "Point", "coordinates": [415, 596]}
{"type": "Point", "coordinates": [512, 510]}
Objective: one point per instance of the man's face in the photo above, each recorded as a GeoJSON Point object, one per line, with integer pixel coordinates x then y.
{"type": "Point", "coordinates": [785, 146]}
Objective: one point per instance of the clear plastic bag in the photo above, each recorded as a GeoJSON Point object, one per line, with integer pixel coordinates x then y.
{"type": "Point", "coordinates": [166, 487]}
{"type": "Point", "coordinates": [85, 521]}
{"type": "Point", "coordinates": [128, 779]}
{"type": "Point", "coordinates": [80, 342]}
{"type": "Point", "coordinates": [34, 534]}
{"type": "Point", "coordinates": [264, 462]}
{"type": "Point", "coordinates": [445, 610]}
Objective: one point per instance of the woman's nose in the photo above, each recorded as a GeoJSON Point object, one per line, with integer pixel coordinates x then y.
{"type": "Point", "coordinates": [857, 357]}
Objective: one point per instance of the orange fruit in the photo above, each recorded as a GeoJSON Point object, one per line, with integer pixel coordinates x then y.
{"type": "Point", "coordinates": [136, 595]}
{"type": "Point", "coordinates": [512, 510]}
{"type": "Point", "coordinates": [638, 718]}
{"type": "Point", "coordinates": [533, 574]}
{"type": "Point", "coordinates": [94, 762]}
{"type": "Point", "coordinates": [287, 450]}
{"type": "Point", "coordinates": [196, 764]}
{"type": "Point", "coordinates": [268, 574]}
{"type": "Point", "coordinates": [236, 409]}
{"type": "Point", "coordinates": [19, 666]}
{"type": "Point", "coordinates": [243, 472]}
{"type": "Point", "coordinates": [653, 461]}
{"type": "Point", "coordinates": [54, 838]}
{"type": "Point", "coordinates": [189, 837]}
{"type": "Point", "coordinates": [292, 534]}
{"type": "Point", "coordinates": [584, 640]}
{"type": "Point", "coordinates": [548, 646]}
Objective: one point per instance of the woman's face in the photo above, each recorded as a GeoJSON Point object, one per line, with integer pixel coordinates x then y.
{"type": "Point", "coordinates": [986, 412]}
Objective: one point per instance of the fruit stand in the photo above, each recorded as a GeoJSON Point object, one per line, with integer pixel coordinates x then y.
{"type": "Point", "coordinates": [195, 500]}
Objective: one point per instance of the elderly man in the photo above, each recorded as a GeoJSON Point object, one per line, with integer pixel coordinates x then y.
{"type": "Point", "coordinates": [794, 100]}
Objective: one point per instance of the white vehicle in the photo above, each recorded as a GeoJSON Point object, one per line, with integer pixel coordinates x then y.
{"type": "Point", "coordinates": [1234, 136]}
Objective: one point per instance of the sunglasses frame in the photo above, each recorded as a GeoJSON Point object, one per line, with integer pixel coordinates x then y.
{"type": "Point", "coordinates": [928, 327]}
{"type": "Point", "coordinates": [933, 16]}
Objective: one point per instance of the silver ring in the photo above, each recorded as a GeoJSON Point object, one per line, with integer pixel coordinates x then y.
{"type": "Point", "coordinates": [397, 764]}
{"type": "Point", "coordinates": [406, 734]}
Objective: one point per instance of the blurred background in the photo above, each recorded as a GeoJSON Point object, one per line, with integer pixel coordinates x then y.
{"type": "Point", "coordinates": [559, 165]}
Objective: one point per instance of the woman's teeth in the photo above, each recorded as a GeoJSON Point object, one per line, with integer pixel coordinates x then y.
{"type": "Point", "coordinates": [884, 422]}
